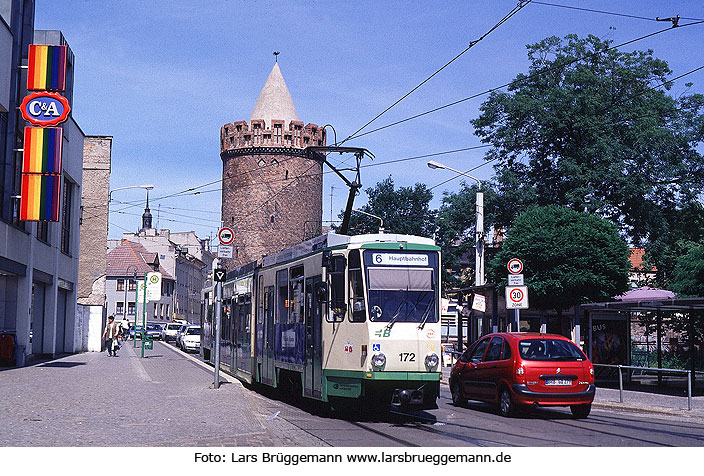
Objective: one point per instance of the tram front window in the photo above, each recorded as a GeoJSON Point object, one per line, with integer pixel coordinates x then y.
{"type": "Point", "coordinates": [401, 295]}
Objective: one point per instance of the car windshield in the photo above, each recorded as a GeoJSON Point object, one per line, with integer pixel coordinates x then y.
{"type": "Point", "coordinates": [401, 295]}
{"type": "Point", "coordinates": [194, 331]}
{"type": "Point", "coordinates": [549, 349]}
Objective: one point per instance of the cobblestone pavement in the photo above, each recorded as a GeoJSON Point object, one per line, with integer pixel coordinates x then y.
{"type": "Point", "coordinates": [165, 399]}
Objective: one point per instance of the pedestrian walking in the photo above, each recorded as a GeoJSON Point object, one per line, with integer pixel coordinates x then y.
{"type": "Point", "coordinates": [110, 336]}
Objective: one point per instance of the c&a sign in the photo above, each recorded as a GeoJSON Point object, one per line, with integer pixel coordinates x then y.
{"type": "Point", "coordinates": [44, 109]}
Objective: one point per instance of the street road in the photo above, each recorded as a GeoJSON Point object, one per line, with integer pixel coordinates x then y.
{"type": "Point", "coordinates": [479, 424]}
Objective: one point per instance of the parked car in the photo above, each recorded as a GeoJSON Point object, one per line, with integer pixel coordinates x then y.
{"type": "Point", "coordinates": [190, 339]}
{"type": "Point", "coordinates": [169, 331]}
{"type": "Point", "coordinates": [139, 331]}
{"type": "Point", "coordinates": [153, 331]}
{"type": "Point", "coordinates": [516, 370]}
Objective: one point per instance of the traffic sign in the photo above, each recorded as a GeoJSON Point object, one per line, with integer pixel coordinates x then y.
{"type": "Point", "coordinates": [515, 266]}
{"type": "Point", "coordinates": [154, 286]}
{"type": "Point", "coordinates": [226, 235]}
{"type": "Point", "coordinates": [219, 274]}
{"type": "Point", "coordinates": [224, 251]}
{"type": "Point", "coordinates": [516, 297]}
{"type": "Point", "coordinates": [515, 279]}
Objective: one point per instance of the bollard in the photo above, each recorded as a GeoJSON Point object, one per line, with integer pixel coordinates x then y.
{"type": "Point", "coordinates": [689, 390]}
{"type": "Point", "coordinates": [620, 385]}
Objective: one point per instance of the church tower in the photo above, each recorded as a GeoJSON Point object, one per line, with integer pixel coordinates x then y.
{"type": "Point", "coordinates": [272, 195]}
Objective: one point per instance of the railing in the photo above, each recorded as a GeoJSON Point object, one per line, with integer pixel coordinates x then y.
{"type": "Point", "coordinates": [688, 373]}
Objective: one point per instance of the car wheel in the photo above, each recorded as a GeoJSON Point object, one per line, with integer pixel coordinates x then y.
{"type": "Point", "coordinates": [581, 411]}
{"type": "Point", "coordinates": [457, 399]}
{"type": "Point", "coordinates": [506, 405]}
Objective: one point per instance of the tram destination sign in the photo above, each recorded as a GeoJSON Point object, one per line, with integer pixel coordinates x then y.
{"type": "Point", "coordinates": [399, 259]}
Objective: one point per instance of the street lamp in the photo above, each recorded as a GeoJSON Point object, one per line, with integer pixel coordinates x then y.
{"type": "Point", "coordinates": [479, 242]}
{"type": "Point", "coordinates": [145, 187]}
{"type": "Point", "coordinates": [381, 224]}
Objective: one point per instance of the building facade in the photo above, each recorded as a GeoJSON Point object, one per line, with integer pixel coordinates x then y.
{"type": "Point", "coordinates": [186, 258]}
{"type": "Point", "coordinates": [91, 304]}
{"type": "Point", "coordinates": [38, 260]}
{"type": "Point", "coordinates": [126, 265]}
{"type": "Point", "coordinates": [272, 195]}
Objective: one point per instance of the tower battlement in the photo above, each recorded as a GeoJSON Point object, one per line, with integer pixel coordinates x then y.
{"type": "Point", "coordinates": [238, 135]}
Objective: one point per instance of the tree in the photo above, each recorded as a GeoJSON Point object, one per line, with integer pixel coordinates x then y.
{"type": "Point", "coordinates": [405, 210]}
{"type": "Point", "coordinates": [569, 257]}
{"type": "Point", "coordinates": [597, 135]}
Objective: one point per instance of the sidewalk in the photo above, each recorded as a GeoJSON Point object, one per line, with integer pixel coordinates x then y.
{"type": "Point", "coordinates": [91, 399]}
{"type": "Point", "coordinates": [640, 401]}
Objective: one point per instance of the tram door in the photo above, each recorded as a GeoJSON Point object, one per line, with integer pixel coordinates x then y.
{"type": "Point", "coordinates": [268, 354]}
{"type": "Point", "coordinates": [313, 352]}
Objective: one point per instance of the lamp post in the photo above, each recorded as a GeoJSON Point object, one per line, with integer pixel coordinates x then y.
{"type": "Point", "coordinates": [145, 187]}
{"type": "Point", "coordinates": [381, 224]}
{"type": "Point", "coordinates": [479, 242]}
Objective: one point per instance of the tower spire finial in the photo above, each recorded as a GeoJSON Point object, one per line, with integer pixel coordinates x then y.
{"type": "Point", "coordinates": [276, 56]}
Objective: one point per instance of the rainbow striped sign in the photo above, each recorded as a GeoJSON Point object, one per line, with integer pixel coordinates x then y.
{"type": "Point", "coordinates": [42, 150]}
{"type": "Point", "coordinates": [40, 197]}
{"type": "Point", "coordinates": [47, 68]}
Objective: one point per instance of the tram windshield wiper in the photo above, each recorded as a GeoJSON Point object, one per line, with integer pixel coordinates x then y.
{"type": "Point", "coordinates": [426, 315]}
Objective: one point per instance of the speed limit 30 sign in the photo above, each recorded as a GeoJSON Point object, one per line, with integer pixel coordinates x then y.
{"type": "Point", "coordinates": [516, 297]}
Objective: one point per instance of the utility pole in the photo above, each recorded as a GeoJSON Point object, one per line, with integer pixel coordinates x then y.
{"type": "Point", "coordinates": [332, 187]}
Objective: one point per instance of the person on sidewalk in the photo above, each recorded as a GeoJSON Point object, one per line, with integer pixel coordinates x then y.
{"type": "Point", "coordinates": [110, 335]}
{"type": "Point", "coordinates": [125, 328]}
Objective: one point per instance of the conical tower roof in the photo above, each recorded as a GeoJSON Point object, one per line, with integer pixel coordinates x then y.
{"type": "Point", "coordinates": [274, 101]}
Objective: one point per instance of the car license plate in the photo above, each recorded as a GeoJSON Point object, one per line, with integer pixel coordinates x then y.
{"type": "Point", "coordinates": [558, 382]}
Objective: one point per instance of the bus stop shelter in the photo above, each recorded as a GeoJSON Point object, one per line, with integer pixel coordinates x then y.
{"type": "Point", "coordinates": [597, 315]}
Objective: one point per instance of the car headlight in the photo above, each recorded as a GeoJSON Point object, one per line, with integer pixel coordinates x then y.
{"type": "Point", "coordinates": [432, 360]}
{"type": "Point", "coordinates": [378, 360]}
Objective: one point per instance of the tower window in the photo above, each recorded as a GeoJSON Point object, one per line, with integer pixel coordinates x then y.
{"type": "Point", "coordinates": [261, 163]}
{"type": "Point", "coordinates": [272, 218]}
{"type": "Point", "coordinates": [275, 163]}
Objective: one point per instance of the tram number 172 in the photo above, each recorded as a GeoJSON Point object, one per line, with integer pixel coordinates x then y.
{"type": "Point", "coordinates": [407, 357]}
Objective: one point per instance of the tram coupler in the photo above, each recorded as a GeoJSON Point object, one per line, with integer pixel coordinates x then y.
{"type": "Point", "coordinates": [408, 396]}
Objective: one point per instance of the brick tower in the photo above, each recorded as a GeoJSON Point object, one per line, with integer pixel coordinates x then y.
{"type": "Point", "coordinates": [272, 195]}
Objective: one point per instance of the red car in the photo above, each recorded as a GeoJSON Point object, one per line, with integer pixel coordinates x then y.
{"type": "Point", "coordinates": [521, 369]}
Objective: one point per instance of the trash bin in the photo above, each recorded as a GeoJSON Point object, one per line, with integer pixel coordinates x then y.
{"type": "Point", "coordinates": [148, 342]}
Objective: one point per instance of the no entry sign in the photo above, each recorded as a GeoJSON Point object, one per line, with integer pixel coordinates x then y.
{"type": "Point", "coordinates": [226, 236]}
{"type": "Point", "coordinates": [515, 266]}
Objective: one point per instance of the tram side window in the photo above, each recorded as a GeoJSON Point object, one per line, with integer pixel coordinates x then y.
{"type": "Point", "coordinates": [359, 313]}
{"type": "Point", "coordinates": [282, 296]}
{"type": "Point", "coordinates": [296, 303]}
{"type": "Point", "coordinates": [336, 279]}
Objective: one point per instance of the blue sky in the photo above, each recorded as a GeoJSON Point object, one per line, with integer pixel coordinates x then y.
{"type": "Point", "coordinates": [162, 77]}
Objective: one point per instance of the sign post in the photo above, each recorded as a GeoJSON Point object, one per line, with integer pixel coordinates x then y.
{"type": "Point", "coordinates": [516, 293]}
{"type": "Point", "coordinates": [144, 314]}
{"type": "Point", "coordinates": [219, 275]}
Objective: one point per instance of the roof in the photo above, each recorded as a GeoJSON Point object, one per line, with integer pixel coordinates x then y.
{"type": "Point", "coordinates": [636, 259]}
{"type": "Point", "coordinates": [274, 101]}
{"type": "Point", "coordinates": [129, 258]}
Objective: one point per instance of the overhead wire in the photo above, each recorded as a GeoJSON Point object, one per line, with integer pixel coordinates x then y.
{"type": "Point", "coordinates": [519, 81]}
{"type": "Point", "coordinates": [516, 9]}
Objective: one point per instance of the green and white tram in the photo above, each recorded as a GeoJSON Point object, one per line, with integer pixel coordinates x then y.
{"type": "Point", "coordinates": [337, 317]}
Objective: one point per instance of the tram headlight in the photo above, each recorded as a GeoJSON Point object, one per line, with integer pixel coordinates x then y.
{"type": "Point", "coordinates": [432, 360]}
{"type": "Point", "coordinates": [378, 361]}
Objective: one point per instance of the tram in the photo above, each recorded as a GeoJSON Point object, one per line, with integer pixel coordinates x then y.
{"type": "Point", "coordinates": [336, 318]}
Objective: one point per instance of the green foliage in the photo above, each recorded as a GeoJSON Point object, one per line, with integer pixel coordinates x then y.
{"type": "Point", "coordinates": [569, 257]}
{"type": "Point", "coordinates": [688, 276]}
{"type": "Point", "coordinates": [597, 136]}
{"type": "Point", "coordinates": [405, 210]}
